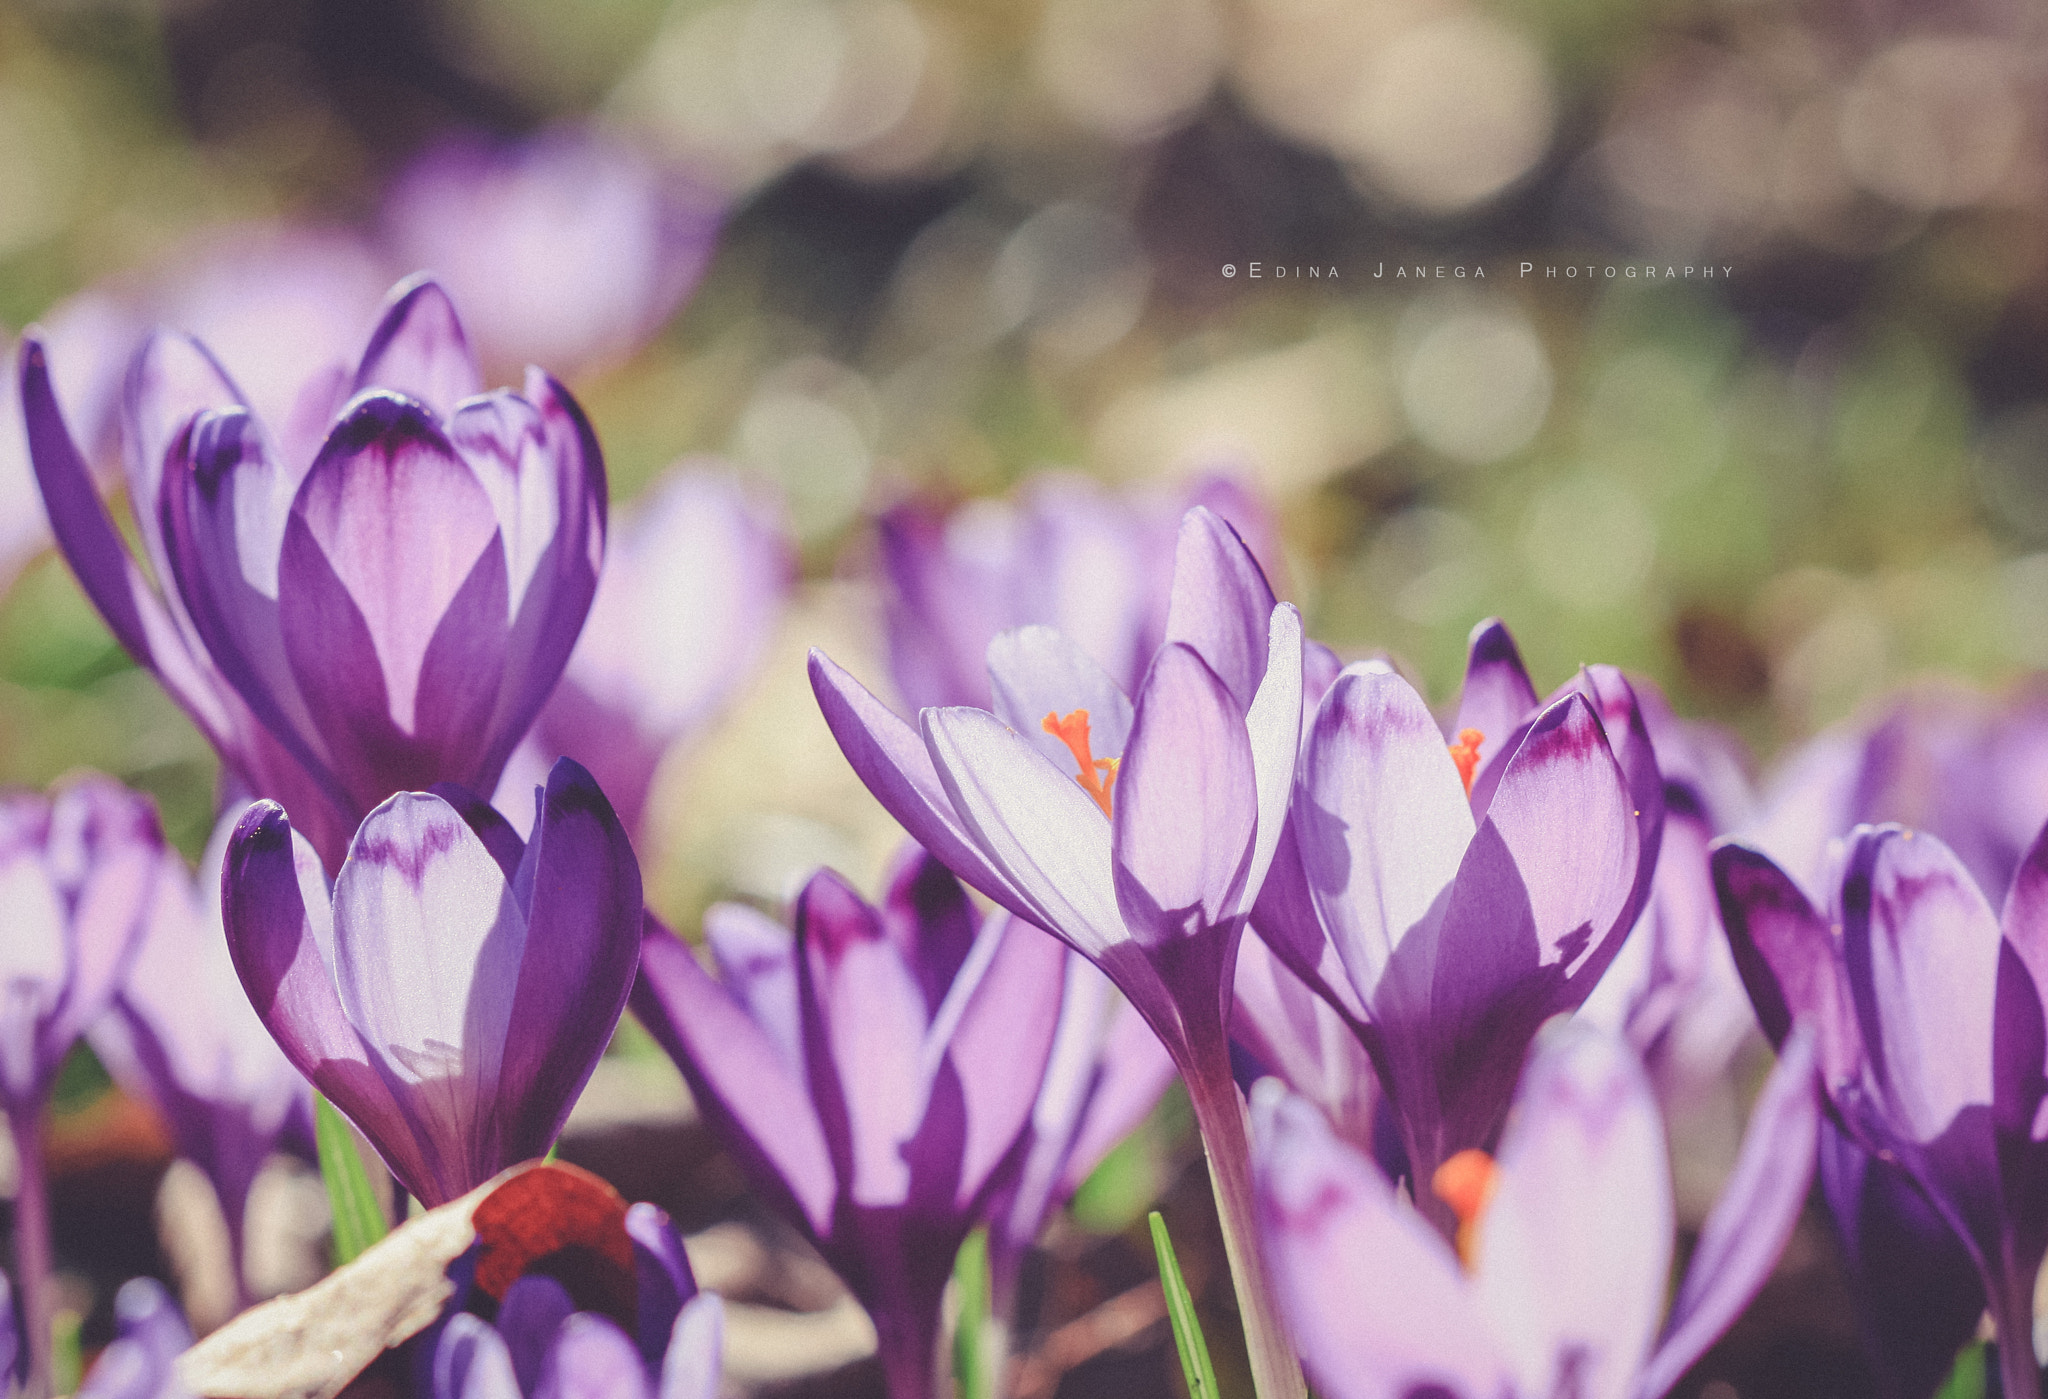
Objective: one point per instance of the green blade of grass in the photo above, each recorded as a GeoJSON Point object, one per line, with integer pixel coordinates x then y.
{"type": "Point", "coordinates": [1180, 1309]}
{"type": "Point", "coordinates": [971, 1379]}
{"type": "Point", "coordinates": [358, 1218]}
{"type": "Point", "coordinates": [1967, 1380]}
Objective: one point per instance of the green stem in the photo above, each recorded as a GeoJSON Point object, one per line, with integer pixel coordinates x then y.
{"type": "Point", "coordinates": [1220, 1116]}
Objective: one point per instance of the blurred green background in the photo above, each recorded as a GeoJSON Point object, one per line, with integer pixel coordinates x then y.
{"type": "Point", "coordinates": [968, 241]}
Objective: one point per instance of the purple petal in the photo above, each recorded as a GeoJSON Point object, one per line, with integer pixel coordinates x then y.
{"type": "Point", "coordinates": [534, 1309]}
{"type": "Point", "coordinates": [756, 959]}
{"type": "Point", "coordinates": [428, 949]}
{"type": "Point", "coordinates": [1380, 818]}
{"type": "Point", "coordinates": [1186, 803]}
{"type": "Point", "coordinates": [592, 1359]}
{"type": "Point", "coordinates": [1221, 603]}
{"type": "Point", "coordinates": [755, 1099]}
{"type": "Point", "coordinates": [1498, 698]}
{"type": "Point", "coordinates": [275, 911]}
{"type": "Point", "coordinates": [1921, 950]}
{"type": "Point", "coordinates": [104, 853]}
{"type": "Point", "coordinates": [1000, 1042]}
{"type": "Point", "coordinates": [1534, 916]}
{"type": "Point", "coordinates": [1274, 724]}
{"type": "Point", "coordinates": [864, 1022]}
{"type": "Point", "coordinates": [1298, 1036]}
{"type": "Point", "coordinates": [471, 1362]}
{"type": "Point", "coordinates": [696, 1349]}
{"type": "Point", "coordinates": [1033, 823]}
{"type": "Point", "coordinates": [1374, 1300]}
{"type": "Point", "coordinates": [940, 609]}
{"type": "Point", "coordinates": [418, 349]}
{"type": "Point", "coordinates": [1751, 1222]}
{"type": "Point", "coordinates": [1036, 674]}
{"type": "Point", "coordinates": [1136, 1070]}
{"type": "Point", "coordinates": [581, 886]}
{"type": "Point", "coordinates": [927, 914]}
{"type": "Point", "coordinates": [891, 759]}
{"type": "Point", "coordinates": [1789, 959]}
{"type": "Point", "coordinates": [171, 380]}
{"type": "Point", "coordinates": [661, 1271]}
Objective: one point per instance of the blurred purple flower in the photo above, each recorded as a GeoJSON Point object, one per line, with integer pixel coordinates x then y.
{"type": "Point", "coordinates": [572, 248]}
{"type": "Point", "coordinates": [544, 1345]}
{"type": "Point", "coordinates": [874, 1075]}
{"type": "Point", "coordinates": [1569, 1253]}
{"type": "Point", "coordinates": [78, 872]}
{"type": "Point", "coordinates": [1459, 904]}
{"type": "Point", "coordinates": [456, 993]}
{"type": "Point", "coordinates": [376, 599]}
{"type": "Point", "coordinates": [149, 1336]}
{"type": "Point", "coordinates": [1673, 989]}
{"type": "Point", "coordinates": [1140, 834]}
{"type": "Point", "coordinates": [1297, 1036]}
{"type": "Point", "coordinates": [181, 1035]}
{"type": "Point", "coordinates": [1929, 1017]}
{"type": "Point", "coordinates": [702, 565]}
{"type": "Point", "coordinates": [1067, 554]}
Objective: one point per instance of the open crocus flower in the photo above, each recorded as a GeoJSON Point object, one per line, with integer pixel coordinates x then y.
{"type": "Point", "coordinates": [1559, 1280]}
{"type": "Point", "coordinates": [1066, 554]}
{"type": "Point", "coordinates": [1463, 897]}
{"type": "Point", "coordinates": [1140, 833]}
{"type": "Point", "coordinates": [78, 871]}
{"type": "Point", "coordinates": [455, 992]}
{"type": "Point", "coordinates": [584, 1295]}
{"type": "Point", "coordinates": [373, 596]}
{"type": "Point", "coordinates": [181, 1035]}
{"type": "Point", "coordinates": [704, 565]}
{"type": "Point", "coordinates": [1929, 1012]}
{"type": "Point", "coordinates": [872, 1075]}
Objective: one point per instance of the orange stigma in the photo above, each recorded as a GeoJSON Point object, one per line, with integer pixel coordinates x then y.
{"type": "Point", "coordinates": [1097, 775]}
{"type": "Point", "coordinates": [1466, 1183]}
{"type": "Point", "coordinates": [1465, 753]}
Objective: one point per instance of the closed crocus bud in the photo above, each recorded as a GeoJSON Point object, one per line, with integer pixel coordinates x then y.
{"type": "Point", "coordinates": [455, 990]}
{"type": "Point", "coordinates": [371, 598]}
{"type": "Point", "coordinates": [872, 1074]}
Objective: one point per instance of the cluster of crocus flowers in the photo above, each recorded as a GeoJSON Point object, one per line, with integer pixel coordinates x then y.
{"type": "Point", "coordinates": [1558, 1283]}
{"type": "Point", "coordinates": [1928, 1010]}
{"type": "Point", "coordinates": [875, 1074]}
{"type": "Point", "coordinates": [1139, 831]}
{"type": "Point", "coordinates": [373, 596]}
{"type": "Point", "coordinates": [454, 990]}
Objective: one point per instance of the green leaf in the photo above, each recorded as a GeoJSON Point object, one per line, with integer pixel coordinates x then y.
{"type": "Point", "coordinates": [971, 1379]}
{"type": "Point", "coordinates": [1180, 1309]}
{"type": "Point", "coordinates": [358, 1218]}
{"type": "Point", "coordinates": [1967, 1380]}
{"type": "Point", "coordinates": [67, 1359]}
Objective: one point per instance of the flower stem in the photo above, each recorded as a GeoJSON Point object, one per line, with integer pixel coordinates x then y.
{"type": "Point", "coordinates": [2017, 1368]}
{"type": "Point", "coordinates": [1220, 1116]}
{"type": "Point", "coordinates": [32, 1251]}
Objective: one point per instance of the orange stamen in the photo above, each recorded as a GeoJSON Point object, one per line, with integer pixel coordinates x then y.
{"type": "Point", "coordinates": [1466, 1183]}
{"type": "Point", "coordinates": [1097, 775]}
{"type": "Point", "coordinates": [1465, 753]}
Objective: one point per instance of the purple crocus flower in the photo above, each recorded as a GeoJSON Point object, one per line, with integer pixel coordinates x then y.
{"type": "Point", "coordinates": [600, 243]}
{"type": "Point", "coordinates": [149, 1336]}
{"type": "Point", "coordinates": [549, 1342]}
{"type": "Point", "coordinates": [181, 1035]}
{"type": "Point", "coordinates": [1298, 1037]}
{"type": "Point", "coordinates": [454, 994]}
{"type": "Point", "coordinates": [1067, 554]}
{"type": "Point", "coordinates": [374, 596]}
{"type": "Point", "coordinates": [78, 871]}
{"type": "Point", "coordinates": [1140, 833]}
{"type": "Point", "coordinates": [1462, 903]}
{"type": "Point", "coordinates": [874, 1075]}
{"type": "Point", "coordinates": [1560, 1278]}
{"type": "Point", "coordinates": [703, 564]}
{"type": "Point", "coordinates": [1929, 1014]}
